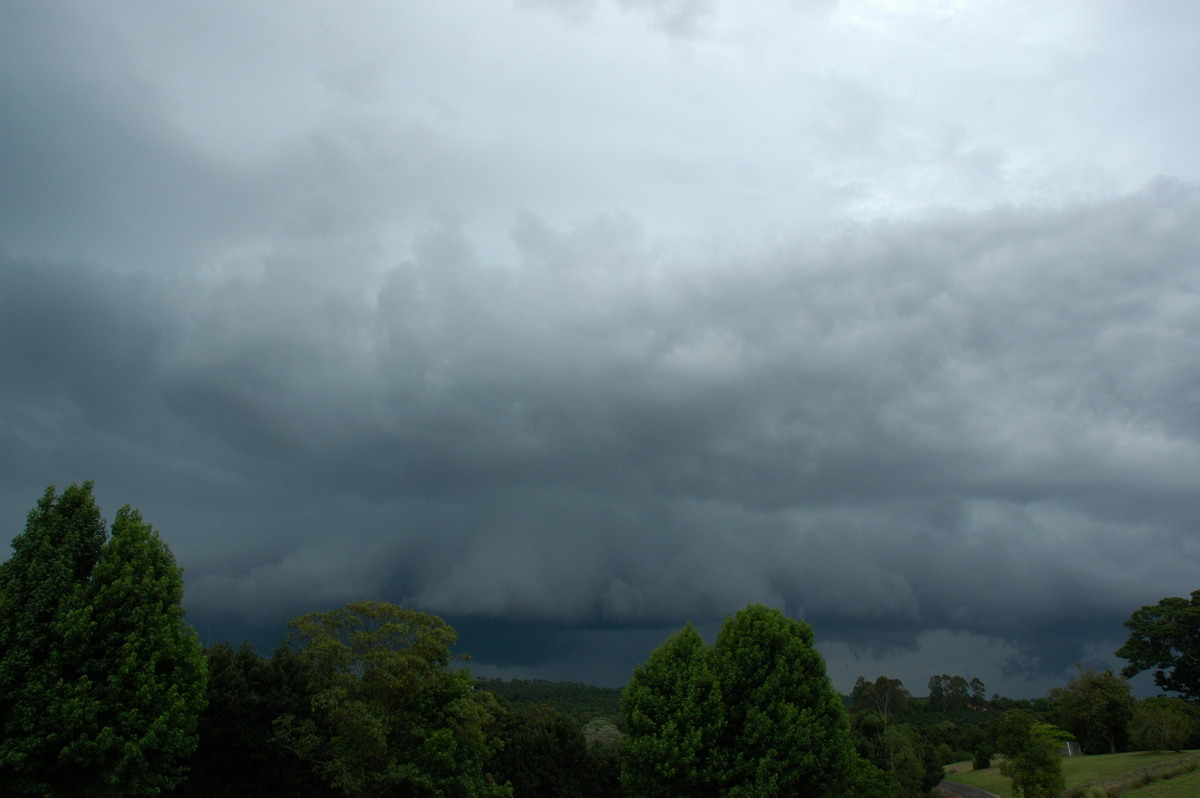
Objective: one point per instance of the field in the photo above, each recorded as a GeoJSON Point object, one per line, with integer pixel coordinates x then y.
{"type": "Point", "coordinates": [1105, 771]}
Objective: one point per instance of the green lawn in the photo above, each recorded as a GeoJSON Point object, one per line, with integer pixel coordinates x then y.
{"type": "Point", "coordinates": [1081, 770]}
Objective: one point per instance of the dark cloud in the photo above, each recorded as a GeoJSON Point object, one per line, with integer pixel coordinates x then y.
{"type": "Point", "coordinates": [575, 334]}
{"type": "Point", "coordinates": [983, 423]}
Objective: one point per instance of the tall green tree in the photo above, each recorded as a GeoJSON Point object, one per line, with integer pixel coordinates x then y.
{"type": "Point", "coordinates": [1095, 707]}
{"type": "Point", "coordinates": [102, 696]}
{"type": "Point", "coordinates": [674, 716]}
{"type": "Point", "coordinates": [781, 728]}
{"type": "Point", "coordinates": [43, 583]}
{"type": "Point", "coordinates": [978, 693]}
{"type": "Point", "coordinates": [1165, 637]}
{"type": "Point", "coordinates": [887, 698]}
{"type": "Point", "coordinates": [786, 729]}
{"type": "Point", "coordinates": [390, 716]}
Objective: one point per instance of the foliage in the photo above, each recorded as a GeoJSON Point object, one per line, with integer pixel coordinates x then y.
{"type": "Point", "coordinates": [606, 771]}
{"type": "Point", "coordinates": [1031, 754]}
{"type": "Point", "coordinates": [954, 693]}
{"type": "Point", "coordinates": [982, 760]}
{"type": "Point", "coordinates": [389, 713]}
{"type": "Point", "coordinates": [867, 779]}
{"type": "Point", "coordinates": [752, 715]}
{"type": "Point", "coordinates": [581, 701]}
{"type": "Point", "coordinates": [674, 716]}
{"type": "Point", "coordinates": [238, 754]}
{"type": "Point", "coordinates": [886, 697]}
{"type": "Point", "coordinates": [898, 750]}
{"type": "Point", "coordinates": [544, 755]}
{"type": "Point", "coordinates": [102, 679]}
{"type": "Point", "coordinates": [1095, 707]}
{"type": "Point", "coordinates": [1166, 637]}
{"type": "Point", "coordinates": [1162, 723]}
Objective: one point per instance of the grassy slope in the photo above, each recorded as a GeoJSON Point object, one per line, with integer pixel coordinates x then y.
{"type": "Point", "coordinates": [1179, 787]}
{"type": "Point", "coordinates": [1082, 770]}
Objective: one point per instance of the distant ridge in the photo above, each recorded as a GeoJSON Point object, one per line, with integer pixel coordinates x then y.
{"type": "Point", "coordinates": [581, 701]}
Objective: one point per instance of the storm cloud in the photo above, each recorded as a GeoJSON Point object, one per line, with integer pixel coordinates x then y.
{"type": "Point", "coordinates": [633, 319]}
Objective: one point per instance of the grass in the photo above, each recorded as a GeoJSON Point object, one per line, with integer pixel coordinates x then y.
{"type": "Point", "coordinates": [1104, 776]}
{"type": "Point", "coordinates": [1186, 786]}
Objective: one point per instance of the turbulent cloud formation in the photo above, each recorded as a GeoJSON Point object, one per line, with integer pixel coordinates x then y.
{"type": "Point", "coordinates": [648, 312]}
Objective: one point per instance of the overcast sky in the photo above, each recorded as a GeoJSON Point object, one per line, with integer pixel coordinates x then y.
{"type": "Point", "coordinates": [572, 320]}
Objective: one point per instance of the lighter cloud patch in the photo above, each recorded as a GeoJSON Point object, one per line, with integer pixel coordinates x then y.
{"type": "Point", "coordinates": [312, 577]}
{"type": "Point", "coordinates": [881, 15]}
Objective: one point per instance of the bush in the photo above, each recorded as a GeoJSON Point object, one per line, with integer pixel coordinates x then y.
{"type": "Point", "coordinates": [982, 760]}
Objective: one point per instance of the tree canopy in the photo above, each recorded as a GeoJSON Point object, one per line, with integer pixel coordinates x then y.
{"type": "Point", "coordinates": [1095, 707]}
{"type": "Point", "coordinates": [753, 715]}
{"type": "Point", "coordinates": [1166, 637]}
{"type": "Point", "coordinates": [887, 698]}
{"type": "Point", "coordinates": [1031, 754]}
{"type": "Point", "coordinates": [101, 679]}
{"type": "Point", "coordinates": [389, 713]}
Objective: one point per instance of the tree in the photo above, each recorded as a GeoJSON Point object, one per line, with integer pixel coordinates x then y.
{"type": "Point", "coordinates": [102, 678]}
{"type": "Point", "coordinates": [781, 729]}
{"type": "Point", "coordinates": [1166, 637]}
{"type": "Point", "coordinates": [937, 693]}
{"type": "Point", "coordinates": [674, 715]}
{"type": "Point", "coordinates": [1096, 708]}
{"type": "Point", "coordinates": [39, 587]}
{"type": "Point", "coordinates": [978, 694]}
{"type": "Point", "coordinates": [544, 755]}
{"type": "Point", "coordinates": [1031, 750]}
{"type": "Point", "coordinates": [886, 697]}
{"type": "Point", "coordinates": [899, 751]}
{"type": "Point", "coordinates": [390, 714]}
{"type": "Point", "coordinates": [958, 693]}
{"type": "Point", "coordinates": [1162, 723]}
{"type": "Point", "coordinates": [238, 754]}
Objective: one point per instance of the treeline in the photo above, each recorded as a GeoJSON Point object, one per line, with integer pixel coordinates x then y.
{"type": "Point", "coordinates": [270, 729]}
{"type": "Point", "coordinates": [584, 702]}
{"type": "Point", "coordinates": [105, 691]}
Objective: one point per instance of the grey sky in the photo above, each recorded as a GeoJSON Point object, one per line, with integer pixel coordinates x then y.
{"type": "Point", "coordinates": [571, 321]}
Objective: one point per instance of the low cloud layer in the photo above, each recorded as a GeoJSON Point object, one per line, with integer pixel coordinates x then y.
{"type": "Point", "coordinates": [961, 437]}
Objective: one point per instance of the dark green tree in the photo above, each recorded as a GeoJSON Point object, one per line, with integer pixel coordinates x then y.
{"type": "Point", "coordinates": [674, 716]}
{"type": "Point", "coordinates": [114, 679]}
{"type": "Point", "coordinates": [978, 694]}
{"type": "Point", "coordinates": [937, 693]}
{"type": "Point", "coordinates": [390, 716]}
{"type": "Point", "coordinates": [1031, 754]}
{"type": "Point", "coordinates": [543, 755]}
{"type": "Point", "coordinates": [238, 754]}
{"type": "Point", "coordinates": [958, 693]}
{"type": "Point", "coordinates": [1095, 707]}
{"type": "Point", "coordinates": [786, 730]}
{"type": "Point", "coordinates": [898, 750]}
{"type": "Point", "coordinates": [781, 729]}
{"type": "Point", "coordinates": [1164, 724]}
{"type": "Point", "coordinates": [43, 583]}
{"type": "Point", "coordinates": [1166, 637]}
{"type": "Point", "coordinates": [887, 698]}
